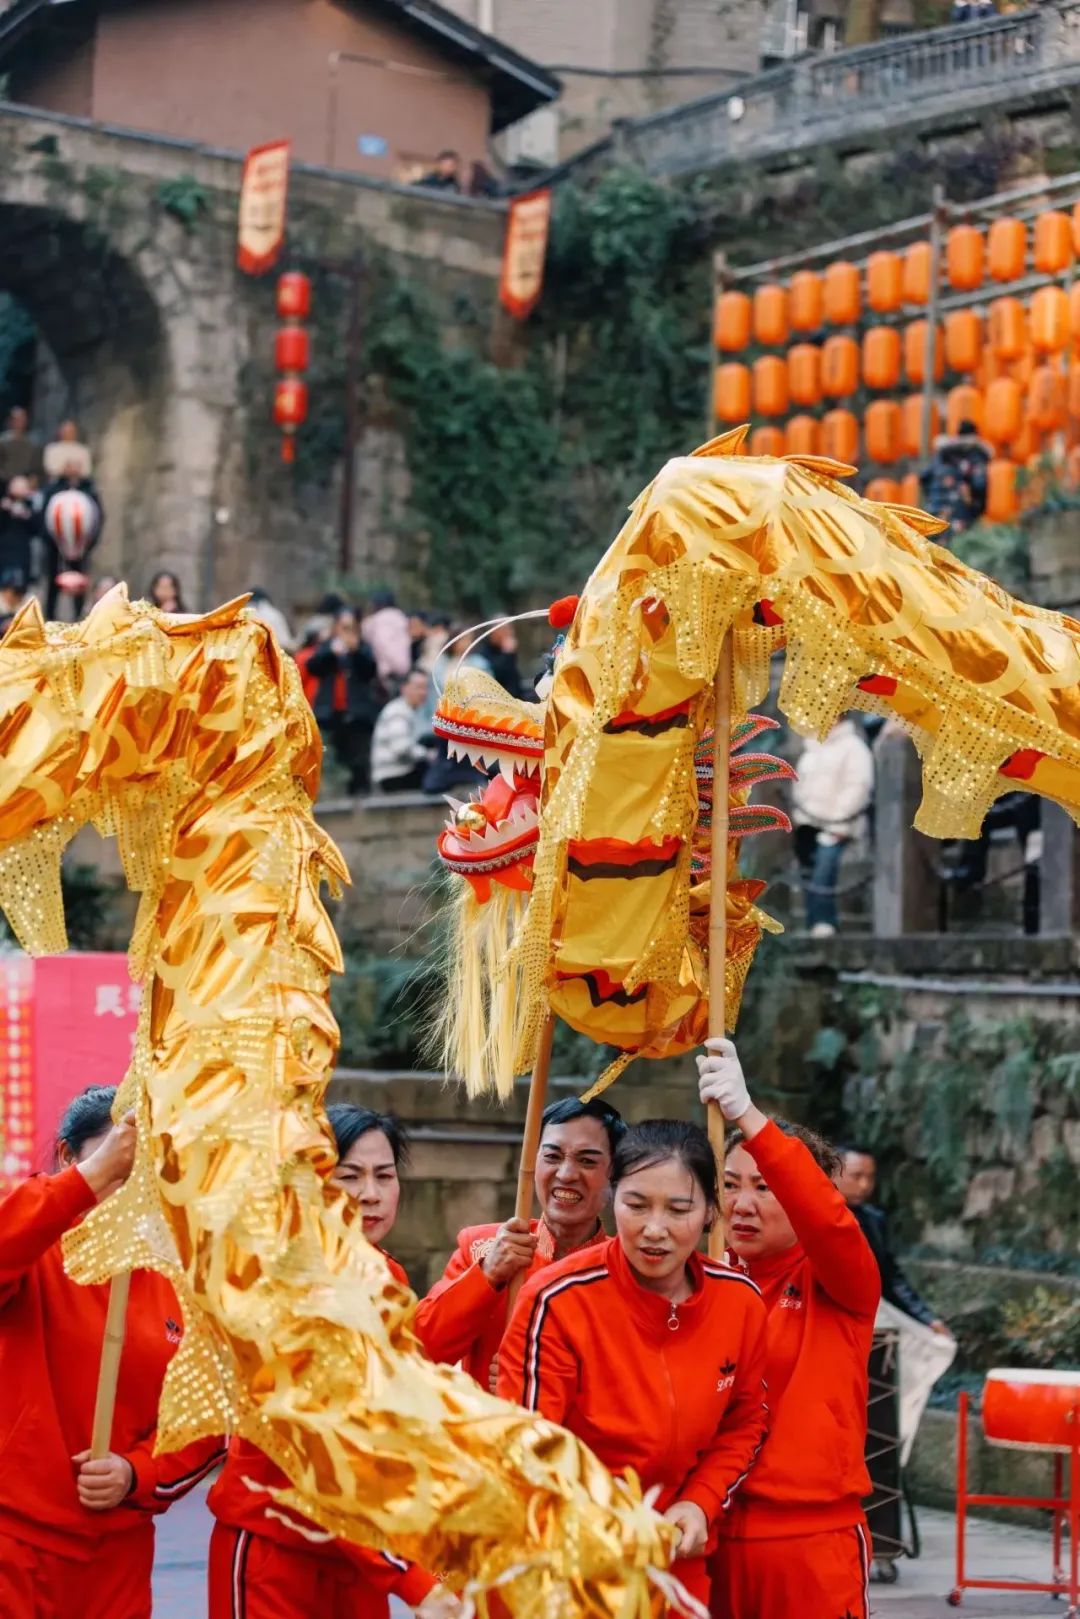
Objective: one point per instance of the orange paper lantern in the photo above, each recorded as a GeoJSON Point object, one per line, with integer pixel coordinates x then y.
{"type": "Point", "coordinates": [1052, 248]}
{"type": "Point", "coordinates": [842, 302]}
{"type": "Point", "coordinates": [840, 435]}
{"type": "Point", "coordinates": [884, 282]}
{"type": "Point", "coordinates": [804, 374]}
{"type": "Point", "coordinates": [1074, 311]}
{"type": "Point", "coordinates": [963, 404]}
{"type": "Point", "coordinates": [1007, 328]}
{"type": "Point", "coordinates": [963, 340]}
{"type": "Point", "coordinates": [1047, 398]}
{"type": "Point", "coordinates": [770, 316]}
{"type": "Point", "coordinates": [767, 441]}
{"type": "Point", "coordinates": [886, 490]}
{"type": "Point", "coordinates": [732, 326]}
{"type": "Point", "coordinates": [1073, 390]}
{"type": "Point", "coordinates": [911, 415]}
{"type": "Point", "coordinates": [915, 352]}
{"type": "Point", "coordinates": [805, 301]}
{"type": "Point", "coordinates": [1006, 250]}
{"type": "Point", "coordinates": [910, 489]}
{"type": "Point", "coordinates": [839, 367]}
{"type": "Point", "coordinates": [294, 295]}
{"type": "Point", "coordinates": [881, 357]}
{"type": "Point", "coordinates": [882, 427]}
{"type": "Point", "coordinates": [802, 436]}
{"type": "Point", "coordinates": [964, 254]}
{"type": "Point", "coordinates": [1003, 411]}
{"type": "Point", "coordinates": [731, 398]}
{"type": "Point", "coordinates": [1050, 320]}
{"type": "Point", "coordinates": [1002, 503]}
{"type": "Point", "coordinates": [770, 386]}
{"type": "Point", "coordinates": [916, 279]}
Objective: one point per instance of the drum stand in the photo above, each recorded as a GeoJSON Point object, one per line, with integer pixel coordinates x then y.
{"type": "Point", "coordinates": [1064, 1509]}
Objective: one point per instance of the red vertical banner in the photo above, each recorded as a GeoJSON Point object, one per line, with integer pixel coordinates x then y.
{"type": "Point", "coordinates": [66, 1022]}
{"type": "Point", "coordinates": [264, 192]}
{"type": "Point", "coordinates": [16, 1070]}
{"type": "Point", "coordinates": [524, 252]}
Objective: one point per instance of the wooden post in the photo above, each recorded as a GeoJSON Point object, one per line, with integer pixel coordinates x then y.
{"type": "Point", "coordinates": [718, 902]}
{"type": "Point", "coordinates": [719, 270]}
{"type": "Point", "coordinates": [930, 348]}
{"type": "Point", "coordinates": [530, 1145]}
{"type": "Point", "coordinates": [109, 1374]}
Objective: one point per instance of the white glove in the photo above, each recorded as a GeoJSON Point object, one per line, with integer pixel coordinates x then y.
{"type": "Point", "coordinates": [720, 1079]}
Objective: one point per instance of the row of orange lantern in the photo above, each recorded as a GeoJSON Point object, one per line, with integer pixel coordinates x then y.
{"type": "Point", "coordinates": [1003, 495]}
{"type": "Point", "coordinates": [1050, 325]}
{"type": "Point", "coordinates": [892, 430]}
{"type": "Point", "coordinates": [834, 297]}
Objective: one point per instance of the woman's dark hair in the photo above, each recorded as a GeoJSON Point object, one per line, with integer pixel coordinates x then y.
{"type": "Point", "coordinates": [167, 573]}
{"type": "Point", "coordinates": [821, 1151]}
{"type": "Point", "coordinates": [350, 1123]}
{"type": "Point", "coordinates": [87, 1115]}
{"type": "Point", "coordinates": [571, 1107]}
{"type": "Point", "coordinates": [654, 1141]}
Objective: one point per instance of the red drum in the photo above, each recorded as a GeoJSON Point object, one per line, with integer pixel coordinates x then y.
{"type": "Point", "coordinates": [1031, 1410]}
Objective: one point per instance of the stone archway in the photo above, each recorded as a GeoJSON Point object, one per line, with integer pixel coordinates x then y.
{"type": "Point", "coordinates": [96, 314]}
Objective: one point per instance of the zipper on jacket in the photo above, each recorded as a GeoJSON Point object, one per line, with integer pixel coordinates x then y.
{"type": "Point", "coordinates": [673, 1317]}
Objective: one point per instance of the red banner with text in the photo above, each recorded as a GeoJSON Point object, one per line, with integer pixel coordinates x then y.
{"type": "Point", "coordinates": [66, 1022]}
{"type": "Point", "coordinates": [264, 192]}
{"type": "Point", "coordinates": [524, 253]}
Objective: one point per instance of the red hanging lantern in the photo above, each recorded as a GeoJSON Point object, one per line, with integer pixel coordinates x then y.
{"type": "Point", "coordinates": [290, 412]}
{"type": "Point", "coordinates": [292, 356]}
{"type": "Point", "coordinates": [294, 295]}
{"type": "Point", "coordinates": [292, 349]}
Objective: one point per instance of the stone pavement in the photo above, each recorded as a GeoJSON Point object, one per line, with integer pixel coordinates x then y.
{"type": "Point", "coordinates": [995, 1549]}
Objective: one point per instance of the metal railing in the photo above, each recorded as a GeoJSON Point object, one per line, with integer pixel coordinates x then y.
{"type": "Point", "coordinates": [854, 91]}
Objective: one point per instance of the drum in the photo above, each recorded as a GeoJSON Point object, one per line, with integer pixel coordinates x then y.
{"type": "Point", "coordinates": [1032, 1410]}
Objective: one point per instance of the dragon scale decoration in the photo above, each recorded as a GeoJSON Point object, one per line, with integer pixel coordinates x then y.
{"type": "Point", "coordinates": [598, 908]}
{"type": "Point", "coordinates": [189, 740]}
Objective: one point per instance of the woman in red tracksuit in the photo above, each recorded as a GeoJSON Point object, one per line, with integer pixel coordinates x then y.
{"type": "Point", "coordinates": [796, 1540]}
{"type": "Point", "coordinates": [260, 1566]}
{"type": "Point", "coordinates": [77, 1534]}
{"type": "Point", "coordinates": [650, 1354]}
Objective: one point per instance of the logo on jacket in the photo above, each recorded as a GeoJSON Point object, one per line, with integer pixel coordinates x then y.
{"type": "Point", "coordinates": [174, 1332]}
{"type": "Point", "coordinates": [791, 1298]}
{"type": "Point", "coordinates": [727, 1376]}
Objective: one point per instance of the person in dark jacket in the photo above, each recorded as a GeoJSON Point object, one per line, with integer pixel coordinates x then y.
{"type": "Point", "coordinates": [501, 652]}
{"type": "Point", "coordinates": [348, 696]}
{"type": "Point", "coordinates": [954, 484]}
{"type": "Point", "coordinates": [18, 524]}
{"type": "Point", "coordinates": [857, 1182]}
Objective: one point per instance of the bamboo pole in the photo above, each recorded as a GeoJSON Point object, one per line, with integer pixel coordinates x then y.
{"type": "Point", "coordinates": [112, 1348]}
{"type": "Point", "coordinates": [718, 903]}
{"type": "Point", "coordinates": [530, 1143]}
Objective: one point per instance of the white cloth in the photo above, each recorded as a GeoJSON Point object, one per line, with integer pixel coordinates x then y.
{"type": "Point", "coordinates": [62, 454]}
{"type": "Point", "coordinates": [925, 1356]}
{"type": "Point", "coordinates": [835, 782]}
{"type": "Point", "coordinates": [395, 744]}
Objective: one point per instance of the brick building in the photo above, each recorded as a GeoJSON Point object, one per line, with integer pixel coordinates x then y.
{"type": "Point", "coordinates": [375, 86]}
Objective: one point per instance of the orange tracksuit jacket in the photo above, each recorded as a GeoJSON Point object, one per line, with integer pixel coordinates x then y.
{"type": "Point", "coordinates": [463, 1318]}
{"type": "Point", "coordinates": [253, 1552]}
{"type": "Point", "coordinates": [809, 1483]}
{"type": "Point", "coordinates": [684, 1406]}
{"type": "Point", "coordinates": [51, 1332]}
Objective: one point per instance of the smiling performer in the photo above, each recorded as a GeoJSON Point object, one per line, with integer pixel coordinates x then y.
{"type": "Point", "coordinates": [261, 1566]}
{"type": "Point", "coordinates": [651, 1354]}
{"type": "Point", "coordinates": [796, 1540]}
{"type": "Point", "coordinates": [464, 1316]}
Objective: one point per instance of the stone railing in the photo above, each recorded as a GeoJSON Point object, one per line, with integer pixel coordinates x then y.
{"type": "Point", "coordinates": [859, 91]}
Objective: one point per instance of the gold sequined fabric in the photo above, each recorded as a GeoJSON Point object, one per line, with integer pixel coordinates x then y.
{"type": "Point", "coordinates": [872, 614]}
{"type": "Point", "coordinates": [189, 741]}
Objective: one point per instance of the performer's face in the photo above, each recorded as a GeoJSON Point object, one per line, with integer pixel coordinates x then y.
{"type": "Point", "coordinates": [660, 1214]}
{"type": "Point", "coordinates": [756, 1223]}
{"type": "Point", "coordinates": [368, 1174]}
{"type": "Point", "coordinates": [858, 1178]}
{"type": "Point", "coordinates": [572, 1171]}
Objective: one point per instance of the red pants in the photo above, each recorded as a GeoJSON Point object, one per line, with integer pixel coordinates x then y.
{"type": "Point", "coordinates": [252, 1577]}
{"type": "Point", "coordinates": [113, 1584]}
{"type": "Point", "coordinates": [822, 1576]}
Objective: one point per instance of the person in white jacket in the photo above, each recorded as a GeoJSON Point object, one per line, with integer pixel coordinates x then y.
{"type": "Point", "coordinates": [833, 792]}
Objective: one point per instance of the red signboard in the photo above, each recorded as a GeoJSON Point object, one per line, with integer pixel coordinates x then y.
{"type": "Point", "coordinates": [264, 192]}
{"type": "Point", "coordinates": [524, 253]}
{"type": "Point", "coordinates": [65, 1022]}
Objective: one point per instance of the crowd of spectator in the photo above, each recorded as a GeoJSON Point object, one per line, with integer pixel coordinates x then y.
{"type": "Point", "coordinates": [36, 546]}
